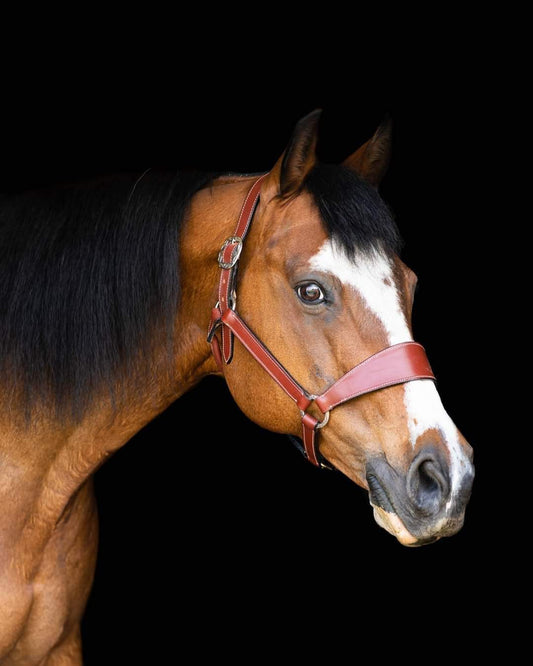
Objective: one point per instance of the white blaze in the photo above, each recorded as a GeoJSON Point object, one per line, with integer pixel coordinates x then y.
{"type": "Point", "coordinates": [372, 277]}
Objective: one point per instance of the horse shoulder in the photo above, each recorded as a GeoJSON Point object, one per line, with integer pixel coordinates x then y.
{"type": "Point", "coordinates": [49, 530]}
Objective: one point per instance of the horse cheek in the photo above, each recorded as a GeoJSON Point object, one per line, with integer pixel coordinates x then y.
{"type": "Point", "coordinates": [259, 397]}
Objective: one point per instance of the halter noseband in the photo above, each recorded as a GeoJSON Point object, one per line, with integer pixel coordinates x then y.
{"type": "Point", "coordinates": [396, 364]}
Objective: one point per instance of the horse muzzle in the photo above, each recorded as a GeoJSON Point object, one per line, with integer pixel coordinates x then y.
{"type": "Point", "coordinates": [422, 505]}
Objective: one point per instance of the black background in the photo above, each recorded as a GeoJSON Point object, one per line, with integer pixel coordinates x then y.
{"type": "Point", "coordinates": [217, 538]}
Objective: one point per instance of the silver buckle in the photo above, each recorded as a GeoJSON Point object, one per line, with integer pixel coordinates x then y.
{"type": "Point", "coordinates": [235, 253]}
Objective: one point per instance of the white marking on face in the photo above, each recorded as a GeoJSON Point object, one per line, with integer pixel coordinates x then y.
{"type": "Point", "coordinates": [372, 277]}
{"type": "Point", "coordinates": [425, 411]}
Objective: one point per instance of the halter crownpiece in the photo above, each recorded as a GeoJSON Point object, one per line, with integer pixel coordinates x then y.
{"type": "Point", "coordinates": [396, 364]}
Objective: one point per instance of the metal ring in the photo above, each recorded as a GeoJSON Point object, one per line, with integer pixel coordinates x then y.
{"type": "Point", "coordinates": [319, 424]}
{"type": "Point", "coordinates": [324, 421]}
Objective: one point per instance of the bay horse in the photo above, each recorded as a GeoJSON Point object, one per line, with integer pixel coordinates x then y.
{"type": "Point", "coordinates": [120, 294]}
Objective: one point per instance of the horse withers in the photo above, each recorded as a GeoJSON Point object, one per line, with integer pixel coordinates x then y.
{"type": "Point", "coordinates": [120, 294]}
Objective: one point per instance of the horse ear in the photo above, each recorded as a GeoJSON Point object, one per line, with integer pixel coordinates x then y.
{"type": "Point", "coordinates": [300, 155]}
{"type": "Point", "coordinates": [372, 159]}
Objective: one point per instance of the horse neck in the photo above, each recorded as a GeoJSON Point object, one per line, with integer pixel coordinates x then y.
{"type": "Point", "coordinates": [46, 461]}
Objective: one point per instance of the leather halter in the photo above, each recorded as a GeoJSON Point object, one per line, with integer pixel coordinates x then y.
{"type": "Point", "coordinates": [396, 364]}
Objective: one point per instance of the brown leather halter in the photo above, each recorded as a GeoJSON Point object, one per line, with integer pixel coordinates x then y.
{"type": "Point", "coordinates": [396, 364]}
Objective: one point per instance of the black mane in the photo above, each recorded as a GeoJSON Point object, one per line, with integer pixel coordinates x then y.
{"type": "Point", "coordinates": [353, 211]}
{"type": "Point", "coordinates": [89, 275]}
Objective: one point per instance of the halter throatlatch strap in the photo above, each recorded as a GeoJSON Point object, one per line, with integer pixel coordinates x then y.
{"type": "Point", "coordinates": [396, 364]}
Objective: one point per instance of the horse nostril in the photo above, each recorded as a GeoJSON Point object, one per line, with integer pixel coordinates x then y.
{"type": "Point", "coordinates": [428, 484]}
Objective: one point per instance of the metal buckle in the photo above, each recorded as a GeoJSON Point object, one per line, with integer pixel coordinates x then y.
{"type": "Point", "coordinates": [235, 253]}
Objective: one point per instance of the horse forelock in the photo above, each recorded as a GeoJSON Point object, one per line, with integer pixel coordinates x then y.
{"type": "Point", "coordinates": [354, 214]}
{"type": "Point", "coordinates": [89, 276]}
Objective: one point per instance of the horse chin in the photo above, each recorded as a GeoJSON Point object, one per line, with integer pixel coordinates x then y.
{"type": "Point", "coordinates": [392, 524]}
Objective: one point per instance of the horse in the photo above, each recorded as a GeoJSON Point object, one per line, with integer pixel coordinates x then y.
{"type": "Point", "coordinates": [120, 293]}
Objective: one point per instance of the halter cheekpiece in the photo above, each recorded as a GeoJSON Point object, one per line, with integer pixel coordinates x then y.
{"type": "Point", "coordinates": [396, 364]}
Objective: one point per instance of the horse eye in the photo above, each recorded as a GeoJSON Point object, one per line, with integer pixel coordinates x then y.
{"type": "Point", "coordinates": [310, 292]}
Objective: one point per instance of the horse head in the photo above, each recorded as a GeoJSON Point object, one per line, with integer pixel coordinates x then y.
{"type": "Point", "coordinates": [325, 296]}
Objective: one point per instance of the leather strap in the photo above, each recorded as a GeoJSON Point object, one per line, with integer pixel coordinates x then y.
{"type": "Point", "coordinates": [393, 365]}
{"type": "Point", "coordinates": [227, 260]}
{"type": "Point", "coordinates": [396, 364]}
